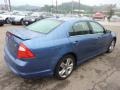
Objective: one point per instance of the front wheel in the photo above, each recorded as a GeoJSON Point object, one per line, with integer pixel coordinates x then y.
{"type": "Point", "coordinates": [112, 46]}
{"type": "Point", "coordinates": [25, 23]}
{"type": "Point", "coordinates": [21, 21]}
{"type": "Point", "coordinates": [65, 67]}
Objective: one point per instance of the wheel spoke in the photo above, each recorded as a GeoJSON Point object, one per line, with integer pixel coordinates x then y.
{"type": "Point", "coordinates": [68, 61]}
{"type": "Point", "coordinates": [61, 73]}
{"type": "Point", "coordinates": [66, 72]}
{"type": "Point", "coordinates": [112, 46]}
{"type": "Point", "coordinates": [70, 66]}
{"type": "Point", "coordinates": [66, 67]}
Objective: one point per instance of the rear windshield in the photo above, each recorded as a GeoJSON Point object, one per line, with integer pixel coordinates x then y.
{"type": "Point", "coordinates": [44, 26]}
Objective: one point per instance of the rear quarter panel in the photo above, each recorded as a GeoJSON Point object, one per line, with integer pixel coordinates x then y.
{"type": "Point", "coordinates": [52, 47]}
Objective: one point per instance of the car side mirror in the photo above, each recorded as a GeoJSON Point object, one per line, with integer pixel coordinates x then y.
{"type": "Point", "coordinates": [107, 31]}
{"type": "Point", "coordinates": [71, 33]}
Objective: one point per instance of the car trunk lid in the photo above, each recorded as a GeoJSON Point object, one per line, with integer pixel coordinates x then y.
{"type": "Point", "coordinates": [16, 36]}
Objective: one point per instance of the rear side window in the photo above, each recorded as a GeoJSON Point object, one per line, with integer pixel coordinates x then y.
{"type": "Point", "coordinates": [44, 26]}
{"type": "Point", "coordinates": [96, 27]}
{"type": "Point", "coordinates": [80, 28]}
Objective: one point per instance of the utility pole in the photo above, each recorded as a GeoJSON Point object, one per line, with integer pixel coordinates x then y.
{"type": "Point", "coordinates": [52, 7]}
{"type": "Point", "coordinates": [62, 10]}
{"type": "Point", "coordinates": [79, 7]}
{"type": "Point", "coordinates": [56, 7]}
{"type": "Point", "coordinates": [72, 8]}
{"type": "Point", "coordinates": [9, 5]}
{"type": "Point", "coordinates": [6, 7]}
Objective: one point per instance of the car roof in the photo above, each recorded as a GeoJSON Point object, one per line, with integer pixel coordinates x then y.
{"type": "Point", "coordinates": [73, 19]}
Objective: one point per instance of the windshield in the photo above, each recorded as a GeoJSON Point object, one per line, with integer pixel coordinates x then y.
{"type": "Point", "coordinates": [44, 26]}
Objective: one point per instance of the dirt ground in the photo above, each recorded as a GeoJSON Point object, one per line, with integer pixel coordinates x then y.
{"type": "Point", "coordinates": [99, 73]}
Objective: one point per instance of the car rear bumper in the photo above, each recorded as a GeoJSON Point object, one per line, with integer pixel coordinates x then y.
{"type": "Point", "coordinates": [25, 69]}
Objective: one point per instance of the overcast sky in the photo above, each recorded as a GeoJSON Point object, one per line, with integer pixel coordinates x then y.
{"type": "Point", "coordinates": [49, 2]}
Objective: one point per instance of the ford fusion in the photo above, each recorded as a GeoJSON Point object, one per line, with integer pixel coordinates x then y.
{"type": "Point", "coordinates": [55, 46]}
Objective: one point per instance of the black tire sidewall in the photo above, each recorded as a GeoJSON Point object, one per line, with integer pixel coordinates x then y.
{"type": "Point", "coordinates": [110, 45]}
{"type": "Point", "coordinates": [1, 24]}
{"type": "Point", "coordinates": [7, 21]}
{"type": "Point", "coordinates": [56, 73]}
{"type": "Point", "coordinates": [21, 21]}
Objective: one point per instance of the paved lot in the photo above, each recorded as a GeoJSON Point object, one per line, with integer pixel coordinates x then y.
{"type": "Point", "coordinates": [100, 73]}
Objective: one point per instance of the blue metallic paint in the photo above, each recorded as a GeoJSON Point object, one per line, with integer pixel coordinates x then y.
{"type": "Point", "coordinates": [51, 47]}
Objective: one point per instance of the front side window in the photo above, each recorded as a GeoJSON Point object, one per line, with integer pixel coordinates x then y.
{"type": "Point", "coordinates": [44, 26]}
{"type": "Point", "coordinates": [80, 28]}
{"type": "Point", "coordinates": [96, 27]}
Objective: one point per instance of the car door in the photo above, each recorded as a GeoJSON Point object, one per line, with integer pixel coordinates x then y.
{"type": "Point", "coordinates": [83, 42]}
{"type": "Point", "coordinates": [103, 38]}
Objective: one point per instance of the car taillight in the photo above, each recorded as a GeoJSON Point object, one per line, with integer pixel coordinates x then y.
{"type": "Point", "coordinates": [24, 52]}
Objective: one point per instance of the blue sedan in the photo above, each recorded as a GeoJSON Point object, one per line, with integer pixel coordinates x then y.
{"type": "Point", "coordinates": [54, 47]}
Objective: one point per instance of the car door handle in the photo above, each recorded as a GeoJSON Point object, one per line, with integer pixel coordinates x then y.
{"type": "Point", "coordinates": [98, 37]}
{"type": "Point", "coordinates": [75, 42]}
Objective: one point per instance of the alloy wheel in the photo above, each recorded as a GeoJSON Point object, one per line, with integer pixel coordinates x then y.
{"type": "Point", "coordinates": [66, 67]}
{"type": "Point", "coordinates": [112, 45]}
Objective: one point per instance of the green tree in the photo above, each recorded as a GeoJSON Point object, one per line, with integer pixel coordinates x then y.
{"type": "Point", "coordinates": [111, 11]}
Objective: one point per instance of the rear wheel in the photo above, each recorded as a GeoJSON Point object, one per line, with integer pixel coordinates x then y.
{"type": "Point", "coordinates": [7, 21]}
{"type": "Point", "coordinates": [112, 46]}
{"type": "Point", "coordinates": [65, 67]}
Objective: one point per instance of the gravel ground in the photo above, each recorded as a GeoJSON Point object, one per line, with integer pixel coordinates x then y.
{"type": "Point", "coordinates": [99, 73]}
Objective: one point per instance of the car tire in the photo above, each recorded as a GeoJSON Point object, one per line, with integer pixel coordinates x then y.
{"type": "Point", "coordinates": [65, 67]}
{"type": "Point", "coordinates": [21, 21]}
{"type": "Point", "coordinates": [13, 23]}
{"type": "Point", "coordinates": [111, 46]}
{"type": "Point", "coordinates": [25, 23]}
{"type": "Point", "coordinates": [7, 21]}
{"type": "Point", "coordinates": [1, 24]}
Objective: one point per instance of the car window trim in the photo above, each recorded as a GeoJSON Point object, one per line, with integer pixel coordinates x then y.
{"type": "Point", "coordinates": [80, 35]}
{"type": "Point", "coordinates": [74, 30]}
{"type": "Point", "coordinates": [92, 28]}
{"type": "Point", "coordinates": [50, 30]}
